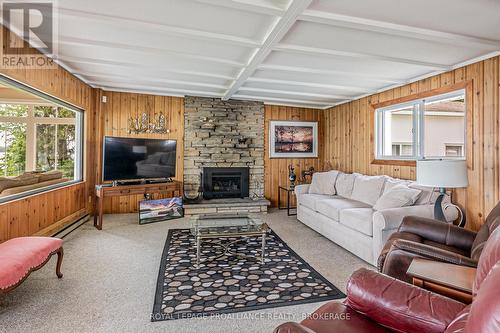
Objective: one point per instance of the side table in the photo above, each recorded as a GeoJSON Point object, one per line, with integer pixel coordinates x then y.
{"type": "Point", "coordinates": [288, 208]}
{"type": "Point", "coordinates": [453, 281]}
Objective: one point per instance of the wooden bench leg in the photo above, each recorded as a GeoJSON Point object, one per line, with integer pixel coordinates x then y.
{"type": "Point", "coordinates": [60, 254]}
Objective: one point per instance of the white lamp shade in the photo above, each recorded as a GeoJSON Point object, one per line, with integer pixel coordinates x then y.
{"type": "Point", "coordinates": [442, 173]}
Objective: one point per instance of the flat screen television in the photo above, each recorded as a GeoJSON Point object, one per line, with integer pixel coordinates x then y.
{"type": "Point", "coordinates": [134, 158]}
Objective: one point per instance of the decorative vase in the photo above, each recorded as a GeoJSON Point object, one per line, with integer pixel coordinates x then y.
{"type": "Point", "coordinates": [292, 177]}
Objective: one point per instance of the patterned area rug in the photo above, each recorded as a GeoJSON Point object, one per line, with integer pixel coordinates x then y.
{"type": "Point", "coordinates": [232, 284]}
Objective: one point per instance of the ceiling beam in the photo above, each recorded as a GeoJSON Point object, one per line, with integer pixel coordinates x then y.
{"type": "Point", "coordinates": [275, 99]}
{"type": "Point", "coordinates": [254, 6]}
{"type": "Point", "coordinates": [311, 84]}
{"type": "Point", "coordinates": [66, 40]}
{"type": "Point", "coordinates": [146, 80]}
{"type": "Point", "coordinates": [347, 54]}
{"type": "Point", "coordinates": [280, 28]}
{"type": "Point", "coordinates": [328, 72]}
{"type": "Point", "coordinates": [406, 31]}
{"type": "Point", "coordinates": [153, 89]}
{"type": "Point", "coordinates": [165, 28]}
{"type": "Point", "coordinates": [294, 93]}
{"type": "Point", "coordinates": [132, 65]}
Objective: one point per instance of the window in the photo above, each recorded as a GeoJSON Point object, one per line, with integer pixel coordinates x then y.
{"type": "Point", "coordinates": [454, 150]}
{"type": "Point", "coordinates": [432, 127]}
{"type": "Point", "coordinates": [40, 143]}
{"type": "Point", "coordinates": [402, 149]}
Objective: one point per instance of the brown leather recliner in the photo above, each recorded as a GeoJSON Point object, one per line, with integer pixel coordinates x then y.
{"type": "Point", "coordinates": [435, 240]}
{"type": "Point", "coordinates": [379, 303]}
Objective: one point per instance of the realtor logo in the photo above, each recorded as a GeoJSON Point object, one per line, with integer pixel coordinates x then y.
{"type": "Point", "coordinates": [28, 34]}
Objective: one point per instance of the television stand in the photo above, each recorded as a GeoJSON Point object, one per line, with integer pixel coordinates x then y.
{"type": "Point", "coordinates": [173, 188]}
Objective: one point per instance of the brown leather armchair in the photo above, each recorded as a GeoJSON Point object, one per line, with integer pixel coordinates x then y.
{"type": "Point", "coordinates": [435, 240]}
{"type": "Point", "coordinates": [379, 303]}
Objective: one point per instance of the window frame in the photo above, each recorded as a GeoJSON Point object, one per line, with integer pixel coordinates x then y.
{"type": "Point", "coordinates": [79, 135]}
{"type": "Point", "coordinates": [418, 126]}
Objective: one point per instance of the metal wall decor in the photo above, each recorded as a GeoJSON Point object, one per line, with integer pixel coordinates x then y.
{"type": "Point", "coordinates": [144, 124]}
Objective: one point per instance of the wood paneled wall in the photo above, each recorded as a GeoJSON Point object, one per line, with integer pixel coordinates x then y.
{"type": "Point", "coordinates": [349, 135]}
{"type": "Point", "coordinates": [45, 213]}
{"type": "Point", "coordinates": [42, 214]}
{"type": "Point", "coordinates": [113, 121]}
{"type": "Point", "coordinates": [276, 169]}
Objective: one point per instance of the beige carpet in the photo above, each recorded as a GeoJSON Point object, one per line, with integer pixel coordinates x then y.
{"type": "Point", "coordinates": [110, 278]}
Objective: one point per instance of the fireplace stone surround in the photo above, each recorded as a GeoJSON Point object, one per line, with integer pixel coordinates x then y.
{"type": "Point", "coordinates": [223, 134]}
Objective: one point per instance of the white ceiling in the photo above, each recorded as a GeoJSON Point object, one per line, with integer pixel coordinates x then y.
{"type": "Point", "coordinates": [313, 53]}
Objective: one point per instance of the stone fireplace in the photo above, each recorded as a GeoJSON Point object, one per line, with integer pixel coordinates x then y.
{"type": "Point", "coordinates": [223, 134]}
{"type": "Point", "coordinates": [225, 182]}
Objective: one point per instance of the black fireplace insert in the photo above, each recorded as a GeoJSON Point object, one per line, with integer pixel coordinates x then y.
{"type": "Point", "coordinates": [225, 182]}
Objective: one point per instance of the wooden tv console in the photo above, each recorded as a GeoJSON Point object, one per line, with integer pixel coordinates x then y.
{"type": "Point", "coordinates": [106, 191]}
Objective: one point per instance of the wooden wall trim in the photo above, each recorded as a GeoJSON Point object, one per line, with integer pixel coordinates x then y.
{"type": "Point", "coordinates": [61, 224]}
{"type": "Point", "coordinates": [395, 162]}
{"type": "Point", "coordinates": [423, 94]}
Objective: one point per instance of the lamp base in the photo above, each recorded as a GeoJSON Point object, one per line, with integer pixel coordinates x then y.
{"type": "Point", "coordinates": [439, 213]}
{"type": "Point", "coordinates": [438, 207]}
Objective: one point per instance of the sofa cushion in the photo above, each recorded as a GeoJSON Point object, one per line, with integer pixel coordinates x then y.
{"type": "Point", "coordinates": [22, 180]}
{"type": "Point", "coordinates": [323, 182]}
{"type": "Point", "coordinates": [20, 189]}
{"type": "Point", "coordinates": [359, 219]}
{"type": "Point", "coordinates": [49, 175]}
{"type": "Point", "coordinates": [310, 200]}
{"type": "Point", "coordinates": [367, 189]}
{"type": "Point", "coordinates": [333, 206]}
{"type": "Point", "coordinates": [345, 184]}
{"type": "Point", "coordinates": [397, 196]}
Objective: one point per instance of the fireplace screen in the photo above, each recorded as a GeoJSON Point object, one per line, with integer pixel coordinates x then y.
{"type": "Point", "coordinates": [225, 183]}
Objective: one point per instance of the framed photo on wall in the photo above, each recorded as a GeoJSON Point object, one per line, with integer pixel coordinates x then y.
{"type": "Point", "coordinates": [293, 139]}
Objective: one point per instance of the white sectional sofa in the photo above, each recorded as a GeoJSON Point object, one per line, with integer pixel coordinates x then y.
{"type": "Point", "coordinates": [343, 208]}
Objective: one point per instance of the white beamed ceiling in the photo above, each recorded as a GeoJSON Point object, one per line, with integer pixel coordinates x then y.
{"type": "Point", "coordinates": [304, 53]}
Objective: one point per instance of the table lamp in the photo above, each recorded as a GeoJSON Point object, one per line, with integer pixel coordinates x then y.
{"type": "Point", "coordinates": [442, 174]}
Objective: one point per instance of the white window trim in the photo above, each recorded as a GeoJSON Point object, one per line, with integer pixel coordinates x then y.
{"type": "Point", "coordinates": [31, 122]}
{"type": "Point", "coordinates": [417, 128]}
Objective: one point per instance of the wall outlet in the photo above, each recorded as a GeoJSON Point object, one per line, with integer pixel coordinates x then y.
{"type": "Point", "coordinates": [104, 99]}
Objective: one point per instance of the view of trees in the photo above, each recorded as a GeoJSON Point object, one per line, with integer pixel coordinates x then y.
{"type": "Point", "coordinates": [55, 144]}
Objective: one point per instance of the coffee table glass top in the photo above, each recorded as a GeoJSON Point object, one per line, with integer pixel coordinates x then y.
{"type": "Point", "coordinates": [217, 224]}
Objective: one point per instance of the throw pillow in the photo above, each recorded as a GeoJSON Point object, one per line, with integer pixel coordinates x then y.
{"type": "Point", "coordinates": [390, 183]}
{"type": "Point", "coordinates": [49, 175]}
{"type": "Point", "coordinates": [323, 182]}
{"type": "Point", "coordinates": [428, 195]}
{"type": "Point", "coordinates": [367, 189]}
{"type": "Point", "coordinates": [398, 196]}
{"type": "Point", "coordinates": [344, 184]}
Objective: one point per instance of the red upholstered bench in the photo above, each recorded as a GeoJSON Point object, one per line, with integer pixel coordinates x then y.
{"type": "Point", "coordinates": [21, 256]}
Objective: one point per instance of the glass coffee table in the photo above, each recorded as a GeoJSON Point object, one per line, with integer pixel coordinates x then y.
{"type": "Point", "coordinates": [216, 226]}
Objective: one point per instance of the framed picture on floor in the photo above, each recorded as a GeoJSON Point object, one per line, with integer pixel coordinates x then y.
{"type": "Point", "coordinates": [160, 210]}
{"type": "Point", "coordinates": [293, 139]}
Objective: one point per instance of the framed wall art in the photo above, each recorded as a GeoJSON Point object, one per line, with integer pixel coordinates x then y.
{"type": "Point", "coordinates": [293, 139]}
